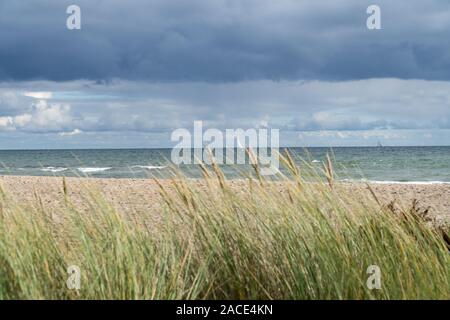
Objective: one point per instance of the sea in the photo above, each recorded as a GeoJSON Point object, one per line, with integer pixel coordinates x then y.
{"type": "Point", "coordinates": [423, 165]}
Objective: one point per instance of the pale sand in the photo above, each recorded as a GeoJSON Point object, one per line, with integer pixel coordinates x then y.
{"type": "Point", "coordinates": [141, 195]}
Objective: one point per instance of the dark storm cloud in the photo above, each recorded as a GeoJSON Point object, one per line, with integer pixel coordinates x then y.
{"type": "Point", "coordinates": [224, 40]}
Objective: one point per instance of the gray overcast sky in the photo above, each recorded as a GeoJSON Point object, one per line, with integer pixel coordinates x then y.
{"type": "Point", "coordinates": [139, 69]}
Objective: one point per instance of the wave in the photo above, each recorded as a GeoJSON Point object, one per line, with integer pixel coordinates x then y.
{"type": "Point", "coordinates": [410, 182]}
{"type": "Point", "coordinates": [53, 169]}
{"type": "Point", "coordinates": [398, 182]}
{"type": "Point", "coordinates": [92, 170]}
{"type": "Point", "coordinates": [150, 167]}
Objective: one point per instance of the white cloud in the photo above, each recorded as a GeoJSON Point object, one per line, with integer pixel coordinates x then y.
{"type": "Point", "coordinates": [39, 95]}
{"type": "Point", "coordinates": [50, 116]}
{"type": "Point", "coordinates": [6, 122]}
{"type": "Point", "coordinates": [41, 117]}
{"type": "Point", "coordinates": [361, 134]}
{"type": "Point", "coordinates": [75, 132]}
{"type": "Point", "coordinates": [22, 120]}
{"type": "Point", "coordinates": [12, 123]}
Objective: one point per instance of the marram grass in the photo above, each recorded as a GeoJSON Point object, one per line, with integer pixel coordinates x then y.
{"type": "Point", "coordinates": [258, 239]}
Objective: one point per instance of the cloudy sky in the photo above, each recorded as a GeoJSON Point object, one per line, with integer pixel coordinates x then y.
{"type": "Point", "coordinates": [139, 69]}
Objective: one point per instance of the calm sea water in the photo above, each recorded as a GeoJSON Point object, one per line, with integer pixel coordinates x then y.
{"type": "Point", "coordinates": [399, 164]}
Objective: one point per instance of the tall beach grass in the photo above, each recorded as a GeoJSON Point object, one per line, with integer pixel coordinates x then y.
{"type": "Point", "coordinates": [293, 238]}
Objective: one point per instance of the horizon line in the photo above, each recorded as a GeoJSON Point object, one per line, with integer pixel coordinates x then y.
{"type": "Point", "coordinates": [282, 147]}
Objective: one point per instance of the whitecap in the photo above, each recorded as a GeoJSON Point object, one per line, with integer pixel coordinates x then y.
{"type": "Point", "coordinates": [409, 182]}
{"type": "Point", "coordinates": [150, 167]}
{"type": "Point", "coordinates": [398, 182]}
{"type": "Point", "coordinates": [92, 170]}
{"type": "Point", "coordinates": [53, 169]}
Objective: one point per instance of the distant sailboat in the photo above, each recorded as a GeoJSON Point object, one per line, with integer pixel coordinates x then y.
{"type": "Point", "coordinates": [379, 145]}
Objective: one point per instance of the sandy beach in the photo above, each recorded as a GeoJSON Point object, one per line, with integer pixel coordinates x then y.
{"type": "Point", "coordinates": [134, 196]}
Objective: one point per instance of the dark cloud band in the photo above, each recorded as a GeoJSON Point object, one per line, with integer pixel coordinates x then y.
{"type": "Point", "coordinates": [224, 41]}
